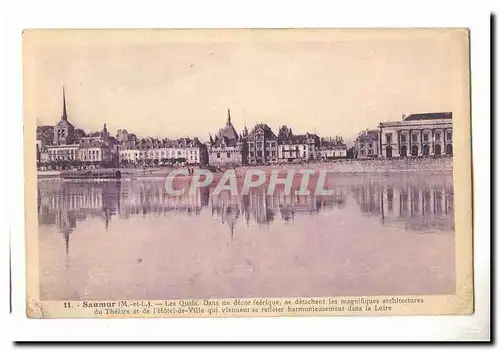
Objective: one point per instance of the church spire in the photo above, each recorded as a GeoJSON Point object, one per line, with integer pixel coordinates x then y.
{"type": "Point", "coordinates": [228, 116]}
{"type": "Point", "coordinates": [64, 115]}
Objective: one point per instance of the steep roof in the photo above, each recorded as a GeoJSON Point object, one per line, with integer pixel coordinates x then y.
{"type": "Point", "coordinates": [268, 133]}
{"type": "Point", "coordinates": [368, 135]}
{"type": "Point", "coordinates": [429, 116]}
{"type": "Point", "coordinates": [228, 130]}
{"type": "Point", "coordinates": [63, 123]}
{"type": "Point", "coordinates": [87, 144]}
{"type": "Point", "coordinates": [224, 140]}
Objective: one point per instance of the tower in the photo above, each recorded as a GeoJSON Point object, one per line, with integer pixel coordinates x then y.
{"type": "Point", "coordinates": [64, 114]}
{"type": "Point", "coordinates": [63, 130]}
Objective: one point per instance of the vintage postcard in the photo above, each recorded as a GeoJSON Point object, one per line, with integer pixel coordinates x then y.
{"type": "Point", "coordinates": [247, 172]}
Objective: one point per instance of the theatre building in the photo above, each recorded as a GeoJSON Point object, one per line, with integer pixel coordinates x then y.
{"type": "Point", "coordinates": [423, 134]}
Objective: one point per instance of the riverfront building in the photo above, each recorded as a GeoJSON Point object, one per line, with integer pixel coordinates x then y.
{"type": "Point", "coordinates": [262, 145]}
{"type": "Point", "coordinates": [296, 148]}
{"type": "Point", "coordinates": [332, 148]}
{"type": "Point", "coordinates": [227, 147]}
{"type": "Point", "coordinates": [423, 134]}
{"type": "Point", "coordinates": [72, 146]}
{"type": "Point", "coordinates": [367, 144]}
{"type": "Point", "coordinates": [154, 151]}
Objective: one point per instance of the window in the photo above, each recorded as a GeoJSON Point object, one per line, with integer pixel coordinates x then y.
{"type": "Point", "coordinates": [218, 155]}
{"type": "Point", "coordinates": [251, 154]}
{"type": "Point", "coordinates": [448, 136]}
{"type": "Point", "coordinates": [388, 138]}
{"type": "Point", "coordinates": [370, 145]}
{"type": "Point", "coordinates": [228, 155]}
{"type": "Point", "coordinates": [414, 137]}
{"type": "Point", "coordinates": [437, 136]}
{"type": "Point", "coordinates": [426, 137]}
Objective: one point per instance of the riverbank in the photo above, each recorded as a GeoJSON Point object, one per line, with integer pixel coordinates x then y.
{"type": "Point", "coordinates": [352, 167]}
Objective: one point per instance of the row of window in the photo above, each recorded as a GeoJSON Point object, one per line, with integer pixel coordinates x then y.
{"type": "Point", "coordinates": [228, 155]}
{"type": "Point", "coordinates": [260, 153]}
{"type": "Point", "coordinates": [63, 152]}
{"type": "Point", "coordinates": [259, 145]}
{"type": "Point", "coordinates": [157, 154]}
{"type": "Point", "coordinates": [414, 137]}
{"type": "Point", "coordinates": [71, 157]}
{"type": "Point", "coordinates": [415, 150]}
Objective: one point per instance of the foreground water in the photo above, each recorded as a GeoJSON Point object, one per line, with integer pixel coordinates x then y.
{"type": "Point", "coordinates": [390, 235]}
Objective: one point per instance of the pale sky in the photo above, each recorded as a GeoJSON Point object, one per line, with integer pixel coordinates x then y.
{"type": "Point", "coordinates": [180, 83]}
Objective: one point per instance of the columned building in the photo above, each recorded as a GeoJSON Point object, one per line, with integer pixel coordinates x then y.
{"type": "Point", "coordinates": [423, 134]}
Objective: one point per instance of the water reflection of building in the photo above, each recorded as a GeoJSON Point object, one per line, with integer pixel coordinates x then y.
{"type": "Point", "coordinates": [64, 204]}
{"type": "Point", "coordinates": [419, 207]}
{"type": "Point", "coordinates": [262, 208]}
{"type": "Point", "coordinates": [144, 198]}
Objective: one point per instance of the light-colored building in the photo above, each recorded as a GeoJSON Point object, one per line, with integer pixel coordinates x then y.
{"type": "Point", "coordinates": [422, 134]}
{"type": "Point", "coordinates": [227, 147]}
{"type": "Point", "coordinates": [332, 148]}
{"type": "Point", "coordinates": [63, 152]}
{"type": "Point", "coordinates": [367, 144]}
{"type": "Point", "coordinates": [155, 151]}
{"type": "Point", "coordinates": [94, 151]}
{"type": "Point", "coordinates": [296, 148]}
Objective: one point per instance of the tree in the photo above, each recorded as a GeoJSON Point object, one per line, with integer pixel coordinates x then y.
{"type": "Point", "coordinates": [351, 152]}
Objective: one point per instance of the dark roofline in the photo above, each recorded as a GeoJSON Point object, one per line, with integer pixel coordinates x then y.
{"type": "Point", "coordinates": [429, 116]}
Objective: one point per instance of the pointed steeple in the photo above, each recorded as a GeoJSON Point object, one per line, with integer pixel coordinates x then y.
{"type": "Point", "coordinates": [64, 114]}
{"type": "Point", "coordinates": [211, 139]}
{"type": "Point", "coordinates": [228, 116]}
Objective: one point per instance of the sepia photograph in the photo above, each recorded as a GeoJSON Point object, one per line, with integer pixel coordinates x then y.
{"type": "Point", "coordinates": [247, 172]}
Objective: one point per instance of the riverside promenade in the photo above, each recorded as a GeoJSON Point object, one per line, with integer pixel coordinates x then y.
{"type": "Point", "coordinates": [346, 166]}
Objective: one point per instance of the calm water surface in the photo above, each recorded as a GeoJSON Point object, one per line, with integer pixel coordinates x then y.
{"type": "Point", "coordinates": [130, 240]}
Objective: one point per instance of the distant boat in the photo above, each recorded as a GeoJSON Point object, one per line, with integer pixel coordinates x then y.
{"type": "Point", "coordinates": [92, 174]}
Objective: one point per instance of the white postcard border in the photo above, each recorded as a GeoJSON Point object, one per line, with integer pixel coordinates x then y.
{"type": "Point", "coordinates": [348, 328]}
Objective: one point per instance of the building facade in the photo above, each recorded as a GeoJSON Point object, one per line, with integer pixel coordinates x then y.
{"type": "Point", "coordinates": [332, 148]}
{"type": "Point", "coordinates": [73, 147]}
{"type": "Point", "coordinates": [366, 144]}
{"type": "Point", "coordinates": [93, 151]}
{"type": "Point", "coordinates": [424, 134]}
{"type": "Point", "coordinates": [155, 151]}
{"type": "Point", "coordinates": [227, 147]}
{"type": "Point", "coordinates": [262, 145]}
{"type": "Point", "coordinates": [296, 148]}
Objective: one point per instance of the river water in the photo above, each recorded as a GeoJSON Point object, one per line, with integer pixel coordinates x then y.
{"type": "Point", "coordinates": [376, 235]}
